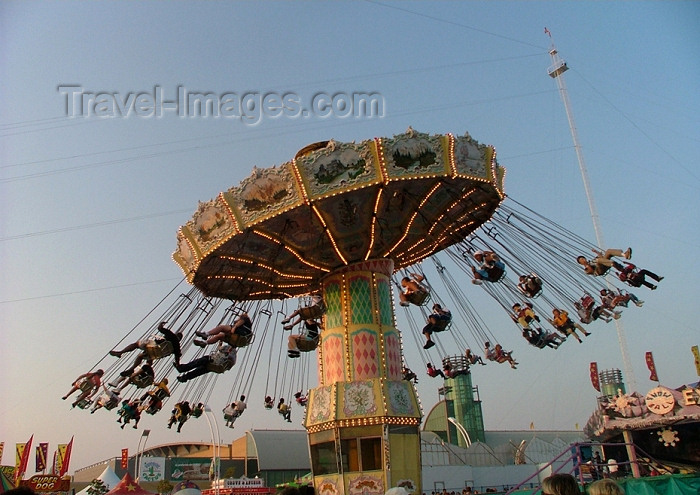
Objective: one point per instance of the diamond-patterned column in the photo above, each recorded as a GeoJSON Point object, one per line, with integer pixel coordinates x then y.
{"type": "Point", "coordinates": [362, 399]}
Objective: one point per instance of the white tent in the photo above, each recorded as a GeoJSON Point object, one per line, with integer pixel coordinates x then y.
{"type": "Point", "coordinates": [108, 477]}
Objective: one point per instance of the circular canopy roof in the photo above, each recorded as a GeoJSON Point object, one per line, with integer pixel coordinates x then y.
{"type": "Point", "coordinates": [280, 231]}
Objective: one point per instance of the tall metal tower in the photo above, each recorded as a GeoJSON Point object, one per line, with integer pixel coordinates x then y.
{"type": "Point", "coordinates": [556, 72]}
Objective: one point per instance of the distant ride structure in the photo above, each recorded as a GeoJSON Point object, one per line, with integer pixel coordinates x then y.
{"type": "Point", "coordinates": [342, 218]}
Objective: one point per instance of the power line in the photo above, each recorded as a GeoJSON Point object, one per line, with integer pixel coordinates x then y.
{"type": "Point", "coordinates": [264, 135]}
{"type": "Point", "coordinates": [644, 133]}
{"type": "Point", "coordinates": [93, 225]}
{"type": "Point", "coordinates": [402, 72]}
{"type": "Point", "coordinates": [86, 291]}
{"type": "Point", "coordinates": [454, 23]}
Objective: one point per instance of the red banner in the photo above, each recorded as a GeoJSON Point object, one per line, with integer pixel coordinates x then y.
{"type": "Point", "coordinates": [595, 381]}
{"type": "Point", "coordinates": [125, 458]}
{"type": "Point", "coordinates": [652, 367]}
{"type": "Point", "coordinates": [23, 450]}
{"type": "Point", "coordinates": [65, 457]}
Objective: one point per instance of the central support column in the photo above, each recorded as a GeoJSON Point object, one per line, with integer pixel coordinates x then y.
{"type": "Point", "coordinates": [363, 419]}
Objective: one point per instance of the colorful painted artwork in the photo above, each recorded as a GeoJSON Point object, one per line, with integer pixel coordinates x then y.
{"type": "Point", "coordinates": [359, 399]}
{"type": "Point", "coordinates": [366, 485]}
{"type": "Point", "coordinates": [321, 405]}
{"type": "Point", "coordinates": [399, 398]}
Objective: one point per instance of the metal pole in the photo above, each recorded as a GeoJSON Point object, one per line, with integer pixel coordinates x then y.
{"type": "Point", "coordinates": [214, 446]}
{"type": "Point", "coordinates": [140, 448]}
{"type": "Point", "coordinates": [462, 430]}
{"type": "Point", "coordinates": [217, 466]}
{"type": "Point", "coordinates": [556, 72]}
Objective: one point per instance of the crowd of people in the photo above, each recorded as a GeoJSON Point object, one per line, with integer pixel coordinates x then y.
{"type": "Point", "coordinates": [555, 484]}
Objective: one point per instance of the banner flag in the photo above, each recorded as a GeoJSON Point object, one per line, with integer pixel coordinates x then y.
{"type": "Point", "coordinates": [42, 450]}
{"type": "Point", "coordinates": [696, 355]}
{"type": "Point", "coordinates": [53, 463]}
{"type": "Point", "coordinates": [22, 458]}
{"type": "Point", "coordinates": [2, 448]}
{"type": "Point", "coordinates": [61, 451]}
{"type": "Point", "coordinates": [652, 367]}
{"type": "Point", "coordinates": [19, 451]}
{"type": "Point", "coordinates": [125, 458]}
{"type": "Point", "coordinates": [595, 381]}
{"type": "Point", "coordinates": [65, 461]}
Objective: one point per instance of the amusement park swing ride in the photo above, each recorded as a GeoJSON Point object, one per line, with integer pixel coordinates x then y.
{"type": "Point", "coordinates": [352, 222]}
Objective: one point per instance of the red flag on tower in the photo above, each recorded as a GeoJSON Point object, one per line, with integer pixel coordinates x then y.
{"type": "Point", "coordinates": [652, 367]}
{"type": "Point", "coordinates": [595, 381]}
{"type": "Point", "coordinates": [125, 458]}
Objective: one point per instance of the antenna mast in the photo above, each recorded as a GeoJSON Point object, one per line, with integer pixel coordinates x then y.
{"type": "Point", "coordinates": [556, 72]}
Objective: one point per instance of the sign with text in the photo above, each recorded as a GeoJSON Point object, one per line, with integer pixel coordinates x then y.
{"type": "Point", "coordinates": [47, 483]}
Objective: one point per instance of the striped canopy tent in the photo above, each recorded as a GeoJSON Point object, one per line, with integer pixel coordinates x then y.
{"type": "Point", "coordinates": [127, 486]}
{"type": "Point", "coordinates": [5, 483]}
{"type": "Point", "coordinates": [108, 477]}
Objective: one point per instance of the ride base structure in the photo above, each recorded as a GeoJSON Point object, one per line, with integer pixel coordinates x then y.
{"type": "Point", "coordinates": [363, 418]}
{"type": "Point", "coordinates": [343, 218]}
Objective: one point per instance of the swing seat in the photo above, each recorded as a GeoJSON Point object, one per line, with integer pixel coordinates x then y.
{"type": "Point", "coordinates": [307, 345]}
{"type": "Point", "coordinates": [153, 409]}
{"type": "Point", "coordinates": [236, 340]}
{"type": "Point", "coordinates": [442, 324]}
{"type": "Point", "coordinates": [158, 349]}
{"type": "Point", "coordinates": [496, 274]}
{"type": "Point", "coordinates": [111, 404]}
{"type": "Point", "coordinates": [312, 312]}
{"type": "Point", "coordinates": [269, 406]}
{"type": "Point", "coordinates": [587, 302]}
{"type": "Point", "coordinates": [621, 299]}
{"type": "Point", "coordinates": [142, 381]}
{"type": "Point", "coordinates": [83, 403]}
{"type": "Point", "coordinates": [419, 298]}
{"type": "Point", "coordinates": [501, 358]}
{"type": "Point", "coordinates": [85, 385]}
{"type": "Point", "coordinates": [160, 393]}
{"type": "Point", "coordinates": [530, 295]}
{"type": "Point", "coordinates": [217, 368]}
{"type": "Point", "coordinates": [197, 412]}
{"type": "Point", "coordinates": [567, 330]}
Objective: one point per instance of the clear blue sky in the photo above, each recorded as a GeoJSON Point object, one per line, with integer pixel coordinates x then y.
{"type": "Point", "coordinates": [90, 206]}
